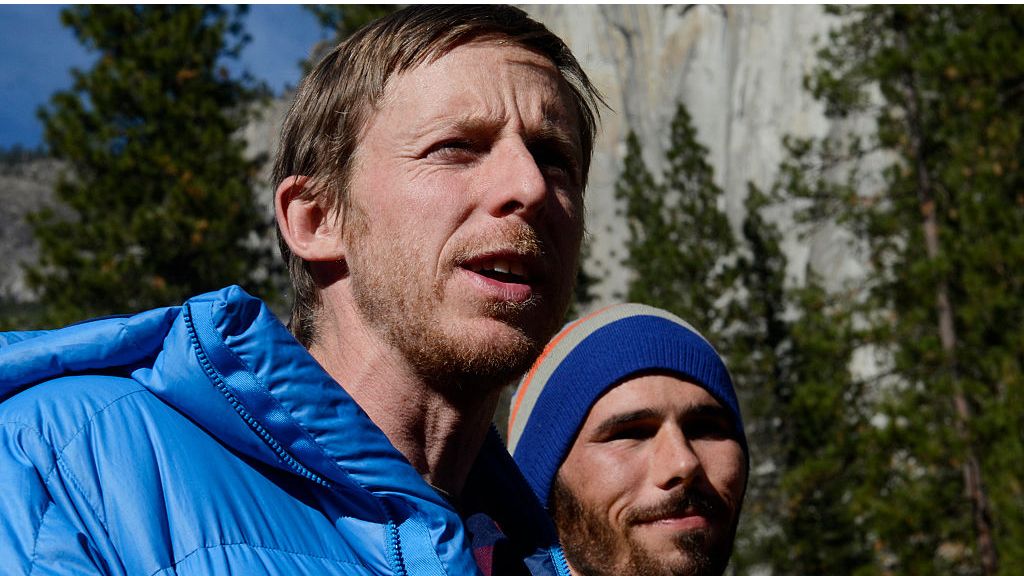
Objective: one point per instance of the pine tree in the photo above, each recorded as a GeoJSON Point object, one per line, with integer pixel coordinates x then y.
{"type": "Point", "coordinates": [159, 192]}
{"type": "Point", "coordinates": [679, 239]}
{"type": "Point", "coordinates": [789, 350]}
{"type": "Point", "coordinates": [944, 230]}
{"type": "Point", "coordinates": [758, 338]}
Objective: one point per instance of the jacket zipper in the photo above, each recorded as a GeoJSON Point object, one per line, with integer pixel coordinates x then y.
{"type": "Point", "coordinates": [393, 544]}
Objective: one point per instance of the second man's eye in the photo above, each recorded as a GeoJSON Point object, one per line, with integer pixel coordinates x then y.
{"type": "Point", "coordinates": [636, 432]}
{"type": "Point", "coordinates": [709, 428]}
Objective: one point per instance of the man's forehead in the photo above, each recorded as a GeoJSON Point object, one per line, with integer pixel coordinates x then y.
{"type": "Point", "coordinates": [660, 394]}
{"type": "Point", "coordinates": [513, 54]}
{"type": "Point", "coordinates": [463, 72]}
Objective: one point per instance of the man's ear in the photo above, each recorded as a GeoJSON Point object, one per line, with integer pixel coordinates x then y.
{"type": "Point", "coordinates": [311, 232]}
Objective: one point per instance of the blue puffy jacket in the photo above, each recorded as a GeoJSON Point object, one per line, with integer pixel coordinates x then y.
{"type": "Point", "coordinates": [203, 439]}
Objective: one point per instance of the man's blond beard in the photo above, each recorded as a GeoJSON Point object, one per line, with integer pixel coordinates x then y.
{"type": "Point", "coordinates": [402, 319]}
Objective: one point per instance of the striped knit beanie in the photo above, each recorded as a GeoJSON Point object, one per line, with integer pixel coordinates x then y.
{"type": "Point", "coordinates": [588, 357]}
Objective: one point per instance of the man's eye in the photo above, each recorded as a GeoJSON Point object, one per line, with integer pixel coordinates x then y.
{"type": "Point", "coordinates": [555, 161]}
{"type": "Point", "coordinates": [557, 165]}
{"type": "Point", "coordinates": [631, 433]}
{"type": "Point", "coordinates": [709, 428]}
{"type": "Point", "coordinates": [453, 148]}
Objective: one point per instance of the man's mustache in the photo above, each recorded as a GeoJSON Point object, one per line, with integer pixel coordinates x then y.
{"type": "Point", "coordinates": [676, 505]}
{"type": "Point", "coordinates": [520, 239]}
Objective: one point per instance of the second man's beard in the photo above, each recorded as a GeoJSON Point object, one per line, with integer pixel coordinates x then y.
{"type": "Point", "coordinates": [594, 548]}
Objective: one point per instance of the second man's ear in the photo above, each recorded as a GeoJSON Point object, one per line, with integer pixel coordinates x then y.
{"type": "Point", "coordinates": [312, 232]}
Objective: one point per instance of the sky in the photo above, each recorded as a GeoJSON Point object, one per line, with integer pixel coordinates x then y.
{"type": "Point", "coordinates": [37, 54]}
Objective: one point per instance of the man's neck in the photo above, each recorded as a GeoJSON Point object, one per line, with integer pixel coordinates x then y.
{"type": "Point", "coordinates": [440, 434]}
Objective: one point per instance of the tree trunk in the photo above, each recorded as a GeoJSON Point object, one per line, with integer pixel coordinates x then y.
{"type": "Point", "coordinates": [971, 469]}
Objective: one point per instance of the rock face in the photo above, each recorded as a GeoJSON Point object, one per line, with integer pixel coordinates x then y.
{"type": "Point", "coordinates": [24, 187]}
{"type": "Point", "coordinates": [738, 69]}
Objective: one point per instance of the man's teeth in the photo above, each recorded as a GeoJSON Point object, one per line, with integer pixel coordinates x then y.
{"type": "Point", "coordinates": [503, 266]}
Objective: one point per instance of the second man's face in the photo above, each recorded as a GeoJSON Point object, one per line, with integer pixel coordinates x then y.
{"type": "Point", "coordinates": [466, 213]}
{"type": "Point", "coordinates": [652, 484]}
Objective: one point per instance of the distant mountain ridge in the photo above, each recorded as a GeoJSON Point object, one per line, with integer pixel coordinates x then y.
{"type": "Point", "coordinates": [26, 185]}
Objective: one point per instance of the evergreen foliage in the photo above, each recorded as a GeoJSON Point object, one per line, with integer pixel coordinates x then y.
{"type": "Point", "coordinates": [944, 232]}
{"type": "Point", "coordinates": [789, 351]}
{"type": "Point", "coordinates": [583, 288]}
{"type": "Point", "coordinates": [679, 239]}
{"type": "Point", "coordinates": [824, 430]}
{"type": "Point", "coordinates": [159, 193]}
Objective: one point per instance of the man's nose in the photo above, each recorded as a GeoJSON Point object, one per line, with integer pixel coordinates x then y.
{"type": "Point", "coordinates": [674, 461]}
{"type": "Point", "coordinates": [519, 186]}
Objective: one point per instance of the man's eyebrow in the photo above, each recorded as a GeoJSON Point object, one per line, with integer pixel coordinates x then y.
{"type": "Point", "coordinates": [473, 123]}
{"type": "Point", "coordinates": [715, 411]}
{"type": "Point", "coordinates": [552, 133]}
{"type": "Point", "coordinates": [549, 132]}
{"type": "Point", "coordinates": [625, 418]}
{"type": "Point", "coordinates": [462, 119]}
{"type": "Point", "coordinates": [710, 410]}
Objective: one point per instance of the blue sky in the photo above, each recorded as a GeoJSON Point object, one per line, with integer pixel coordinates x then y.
{"type": "Point", "coordinates": [37, 54]}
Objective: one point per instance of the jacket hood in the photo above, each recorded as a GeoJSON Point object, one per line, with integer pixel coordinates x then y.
{"type": "Point", "coordinates": [219, 355]}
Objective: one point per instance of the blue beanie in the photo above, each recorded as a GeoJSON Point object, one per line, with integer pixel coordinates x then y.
{"type": "Point", "coordinates": [588, 357]}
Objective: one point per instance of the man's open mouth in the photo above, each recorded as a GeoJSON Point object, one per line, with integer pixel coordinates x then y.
{"type": "Point", "coordinates": [501, 270]}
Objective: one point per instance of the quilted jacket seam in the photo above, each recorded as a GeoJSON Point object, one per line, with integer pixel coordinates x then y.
{"type": "Point", "coordinates": [212, 546]}
{"type": "Point", "coordinates": [50, 504]}
{"type": "Point", "coordinates": [49, 501]}
{"type": "Point", "coordinates": [87, 424]}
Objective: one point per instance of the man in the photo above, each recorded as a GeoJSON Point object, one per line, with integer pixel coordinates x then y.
{"type": "Point", "coordinates": [628, 429]}
{"type": "Point", "coordinates": [429, 205]}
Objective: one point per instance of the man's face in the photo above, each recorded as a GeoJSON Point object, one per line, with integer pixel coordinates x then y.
{"type": "Point", "coordinates": [465, 216]}
{"type": "Point", "coordinates": [653, 483]}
